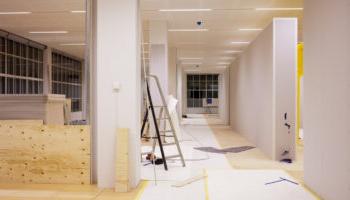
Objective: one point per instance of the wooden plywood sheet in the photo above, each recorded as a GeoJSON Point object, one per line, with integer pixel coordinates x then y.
{"type": "Point", "coordinates": [122, 159]}
{"type": "Point", "coordinates": [44, 154]}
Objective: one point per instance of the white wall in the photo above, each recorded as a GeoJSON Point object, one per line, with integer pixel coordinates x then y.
{"type": "Point", "coordinates": [262, 89]}
{"type": "Point", "coordinates": [327, 97]}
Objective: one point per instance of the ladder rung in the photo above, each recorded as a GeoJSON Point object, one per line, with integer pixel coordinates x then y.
{"type": "Point", "coordinates": [166, 118]}
{"type": "Point", "coordinates": [146, 153]}
{"type": "Point", "coordinates": [173, 156]}
{"type": "Point", "coordinates": [169, 144]}
{"type": "Point", "coordinates": [166, 131]}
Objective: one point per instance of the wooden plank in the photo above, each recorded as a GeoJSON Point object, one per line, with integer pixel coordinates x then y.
{"type": "Point", "coordinates": [52, 154]}
{"type": "Point", "coordinates": [122, 161]}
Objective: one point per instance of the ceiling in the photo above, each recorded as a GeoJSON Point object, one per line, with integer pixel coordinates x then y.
{"type": "Point", "coordinates": [47, 15]}
{"type": "Point", "coordinates": [223, 23]}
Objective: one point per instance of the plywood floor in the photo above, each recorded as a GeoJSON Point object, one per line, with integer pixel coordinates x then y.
{"type": "Point", "coordinates": [255, 158]}
{"type": "Point", "coordinates": [213, 135]}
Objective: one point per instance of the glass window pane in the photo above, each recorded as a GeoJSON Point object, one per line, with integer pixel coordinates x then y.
{"type": "Point", "coordinates": [2, 85]}
{"type": "Point", "coordinates": [2, 64]}
{"type": "Point", "coordinates": [23, 86]}
{"type": "Point", "coordinates": [9, 85]}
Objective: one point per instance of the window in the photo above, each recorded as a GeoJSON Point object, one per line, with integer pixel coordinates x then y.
{"type": "Point", "coordinates": [21, 67]}
{"type": "Point", "coordinates": [67, 78]}
{"type": "Point", "coordinates": [201, 86]}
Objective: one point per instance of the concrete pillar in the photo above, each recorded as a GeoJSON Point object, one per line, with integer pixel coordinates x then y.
{"type": "Point", "coordinates": [116, 85]}
{"type": "Point", "coordinates": [47, 71]}
{"type": "Point", "coordinates": [159, 57]}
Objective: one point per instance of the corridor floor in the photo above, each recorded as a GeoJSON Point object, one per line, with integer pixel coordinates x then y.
{"type": "Point", "coordinates": [245, 175]}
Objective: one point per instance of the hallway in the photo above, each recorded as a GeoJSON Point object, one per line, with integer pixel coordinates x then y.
{"type": "Point", "coordinates": [241, 174]}
{"type": "Point", "coordinates": [248, 170]}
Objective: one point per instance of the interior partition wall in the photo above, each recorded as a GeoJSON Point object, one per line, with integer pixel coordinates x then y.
{"type": "Point", "coordinates": [21, 66]}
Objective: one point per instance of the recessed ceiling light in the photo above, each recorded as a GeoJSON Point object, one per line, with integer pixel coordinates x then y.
{"type": "Point", "coordinates": [221, 67]}
{"type": "Point", "coordinates": [192, 70]}
{"type": "Point", "coordinates": [277, 9]}
{"type": "Point", "coordinates": [15, 13]}
{"type": "Point", "coordinates": [223, 63]}
{"type": "Point", "coordinates": [240, 42]}
{"type": "Point", "coordinates": [48, 32]}
{"type": "Point", "coordinates": [191, 43]}
{"type": "Point", "coordinates": [185, 10]}
{"type": "Point", "coordinates": [227, 58]}
{"type": "Point", "coordinates": [188, 30]}
{"type": "Point", "coordinates": [198, 63]}
{"type": "Point", "coordinates": [250, 29]}
{"type": "Point", "coordinates": [78, 11]}
{"type": "Point", "coordinates": [73, 44]}
{"type": "Point", "coordinates": [183, 58]}
{"type": "Point", "coordinates": [233, 51]}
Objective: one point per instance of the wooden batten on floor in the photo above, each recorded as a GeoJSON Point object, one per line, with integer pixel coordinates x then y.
{"type": "Point", "coordinates": [122, 161]}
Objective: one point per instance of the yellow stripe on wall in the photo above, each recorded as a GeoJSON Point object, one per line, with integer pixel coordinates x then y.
{"type": "Point", "coordinates": [300, 74]}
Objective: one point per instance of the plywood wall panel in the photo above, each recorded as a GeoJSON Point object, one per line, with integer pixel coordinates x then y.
{"type": "Point", "coordinates": [44, 154]}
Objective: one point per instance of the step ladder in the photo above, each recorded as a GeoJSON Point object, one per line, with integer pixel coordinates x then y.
{"type": "Point", "coordinates": [163, 117]}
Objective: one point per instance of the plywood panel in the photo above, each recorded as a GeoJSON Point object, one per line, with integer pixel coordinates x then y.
{"type": "Point", "coordinates": [122, 159]}
{"type": "Point", "coordinates": [44, 154]}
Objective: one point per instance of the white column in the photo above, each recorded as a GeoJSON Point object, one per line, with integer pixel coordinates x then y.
{"type": "Point", "coordinates": [117, 63]}
{"type": "Point", "coordinates": [159, 57]}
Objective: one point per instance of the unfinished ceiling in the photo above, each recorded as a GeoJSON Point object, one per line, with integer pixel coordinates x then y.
{"type": "Point", "coordinates": [47, 15]}
{"type": "Point", "coordinates": [214, 46]}
{"type": "Point", "coordinates": [222, 18]}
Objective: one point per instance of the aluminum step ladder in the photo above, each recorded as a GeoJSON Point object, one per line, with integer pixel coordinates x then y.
{"type": "Point", "coordinates": [165, 118]}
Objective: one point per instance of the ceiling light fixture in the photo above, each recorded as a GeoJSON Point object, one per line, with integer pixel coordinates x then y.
{"type": "Point", "coordinates": [188, 30]}
{"type": "Point", "coordinates": [78, 11]}
{"type": "Point", "coordinates": [227, 58]}
{"type": "Point", "coordinates": [277, 9]}
{"type": "Point", "coordinates": [15, 13]}
{"type": "Point", "coordinates": [183, 58]}
{"type": "Point", "coordinates": [233, 51]}
{"type": "Point", "coordinates": [241, 42]}
{"type": "Point", "coordinates": [192, 63]}
{"type": "Point", "coordinates": [221, 67]}
{"type": "Point", "coordinates": [223, 63]}
{"type": "Point", "coordinates": [185, 10]}
{"type": "Point", "coordinates": [192, 70]}
{"type": "Point", "coordinates": [250, 29]}
{"type": "Point", "coordinates": [48, 32]}
{"type": "Point", "coordinates": [73, 44]}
